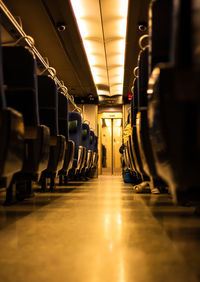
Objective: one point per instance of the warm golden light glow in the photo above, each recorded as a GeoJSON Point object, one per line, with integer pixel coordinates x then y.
{"type": "Point", "coordinates": [119, 219]}
{"type": "Point", "coordinates": [102, 26]}
{"type": "Point", "coordinates": [103, 92]}
{"type": "Point", "coordinates": [150, 91]}
{"type": "Point", "coordinates": [108, 122]}
{"type": "Point", "coordinates": [117, 123]}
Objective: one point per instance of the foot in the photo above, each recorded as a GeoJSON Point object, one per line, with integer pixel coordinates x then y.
{"type": "Point", "coordinates": [155, 191]}
{"type": "Point", "coordinates": [142, 187]}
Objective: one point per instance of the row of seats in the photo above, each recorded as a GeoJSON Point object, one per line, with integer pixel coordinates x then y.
{"type": "Point", "coordinates": [39, 138]}
{"type": "Point", "coordinates": [162, 152]}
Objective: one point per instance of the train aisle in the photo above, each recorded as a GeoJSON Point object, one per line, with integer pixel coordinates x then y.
{"type": "Point", "coordinates": [99, 231]}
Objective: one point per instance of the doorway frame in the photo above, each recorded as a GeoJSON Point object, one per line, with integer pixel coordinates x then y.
{"type": "Point", "coordinates": [111, 116]}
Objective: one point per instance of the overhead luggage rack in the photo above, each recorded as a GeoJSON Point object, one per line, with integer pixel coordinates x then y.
{"type": "Point", "coordinates": [16, 31]}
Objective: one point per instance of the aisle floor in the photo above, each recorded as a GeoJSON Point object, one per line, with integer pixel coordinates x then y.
{"type": "Point", "coordinates": [99, 231]}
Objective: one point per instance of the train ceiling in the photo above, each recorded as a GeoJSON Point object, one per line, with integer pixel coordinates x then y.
{"type": "Point", "coordinates": [103, 31]}
{"type": "Point", "coordinates": [59, 36]}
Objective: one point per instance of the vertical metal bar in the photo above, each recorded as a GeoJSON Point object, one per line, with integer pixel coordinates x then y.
{"type": "Point", "coordinates": [104, 43]}
{"type": "Point", "coordinates": [100, 145]}
{"type": "Point", "coordinates": [112, 147]}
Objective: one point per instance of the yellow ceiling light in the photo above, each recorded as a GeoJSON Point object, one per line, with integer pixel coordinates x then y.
{"type": "Point", "coordinates": [102, 25]}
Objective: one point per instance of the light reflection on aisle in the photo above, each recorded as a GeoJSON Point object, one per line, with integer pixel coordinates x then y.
{"type": "Point", "coordinates": [99, 232]}
{"type": "Point", "coordinates": [111, 261]}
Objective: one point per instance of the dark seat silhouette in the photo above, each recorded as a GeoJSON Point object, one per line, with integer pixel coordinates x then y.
{"type": "Point", "coordinates": [75, 134]}
{"type": "Point", "coordinates": [86, 143]}
{"type": "Point", "coordinates": [12, 137]}
{"type": "Point", "coordinates": [174, 109]}
{"type": "Point", "coordinates": [64, 130]}
{"type": "Point", "coordinates": [134, 139]}
{"type": "Point", "coordinates": [48, 110]}
{"type": "Point", "coordinates": [19, 68]}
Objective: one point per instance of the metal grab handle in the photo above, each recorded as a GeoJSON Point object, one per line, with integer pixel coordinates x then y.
{"type": "Point", "coordinates": [141, 40]}
{"type": "Point", "coordinates": [49, 69]}
{"type": "Point", "coordinates": [135, 72]}
{"type": "Point", "coordinates": [87, 121]}
{"type": "Point", "coordinates": [63, 88]}
{"type": "Point", "coordinates": [14, 43]}
{"type": "Point", "coordinates": [29, 42]}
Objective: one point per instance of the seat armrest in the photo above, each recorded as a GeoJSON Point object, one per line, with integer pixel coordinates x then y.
{"type": "Point", "coordinates": [71, 148]}
{"type": "Point", "coordinates": [83, 158]}
{"type": "Point", "coordinates": [12, 142]}
{"type": "Point", "coordinates": [95, 159]}
{"type": "Point", "coordinates": [44, 146]}
{"type": "Point", "coordinates": [89, 157]}
{"type": "Point", "coordinates": [80, 157]}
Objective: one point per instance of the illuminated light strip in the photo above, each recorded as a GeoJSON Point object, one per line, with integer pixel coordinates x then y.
{"type": "Point", "coordinates": [105, 48]}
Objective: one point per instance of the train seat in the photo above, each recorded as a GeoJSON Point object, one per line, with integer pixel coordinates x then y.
{"type": "Point", "coordinates": [90, 154]}
{"type": "Point", "coordinates": [85, 143]}
{"type": "Point", "coordinates": [48, 110]}
{"type": "Point", "coordinates": [19, 69]}
{"type": "Point", "coordinates": [12, 137]}
{"type": "Point", "coordinates": [75, 134]}
{"type": "Point", "coordinates": [128, 152]}
{"type": "Point", "coordinates": [95, 158]}
{"type": "Point", "coordinates": [133, 139]}
{"type": "Point", "coordinates": [160, 31]}
{"type": "Point", "coordinates": [142, 127]}
{"type": "Point", "coordinates": [94, 162]}
{"type": "Point", "coordinates": [64, 130]}
{"type": "Point", "coordinates": [127, 156]}
{"type": "Point", "coordinates": [174, 111]}
{"type": "Point", "coordinates": [91, 146]}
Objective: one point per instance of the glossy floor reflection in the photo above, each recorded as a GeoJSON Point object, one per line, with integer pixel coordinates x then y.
{"type": "Point", "coordinates": [99, 231]}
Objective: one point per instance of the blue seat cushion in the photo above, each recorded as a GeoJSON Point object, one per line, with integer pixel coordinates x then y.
{"type": "Point", "coordinates": [73, 126]}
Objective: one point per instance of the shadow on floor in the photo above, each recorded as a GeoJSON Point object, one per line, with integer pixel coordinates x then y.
{"type": "Point", "coordinates": [181, 224]}
{"type": "Point", "coordinates": [11, 214]}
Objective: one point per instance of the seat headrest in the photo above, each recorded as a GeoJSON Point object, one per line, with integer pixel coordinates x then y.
{"type": "Point", "coordinates": [2, 94]}
{"type": "Point", "coordinates": [47, 92]}
{"type": "Point", "coordinates": [73, 125]}
{"type": "Point", "coordinates": [85, 126]}
{"type": "Point", "coordinates": [20, 75]}
{"type": "Point", "coordinates": [75, 116]}
{"type": "Point", "coordinates": [19, 67]}
{"type": "Point", "coordinates": [91, 137]}
{"type": "Point", "coordinates": [62, 107]}
{"type": "Point", "coordinates": [85, 131]}
{"type": "Point", "coordinates": [84, 134]}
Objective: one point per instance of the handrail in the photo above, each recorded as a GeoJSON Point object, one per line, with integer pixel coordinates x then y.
{"type": "Point", "coordinates": [9, 22]}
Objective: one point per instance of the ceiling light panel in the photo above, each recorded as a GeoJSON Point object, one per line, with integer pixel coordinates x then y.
{"type": "Point", "coordinates": [102, 25]}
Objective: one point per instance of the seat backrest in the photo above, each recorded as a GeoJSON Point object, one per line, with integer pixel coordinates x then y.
{"type": "Point", "coordinates": [134, 103]}
{"type": "Point", "coordinates": [96, 144]}
{"type": "Point", "coordinates": [48, 103]}
{"type": "Point", "coordinates": [183, 30]}
{"type": "Point", "coordinates": [142, 81]}
{"type": "Point", "coordinates": [85, 135]}
{"type": "Point", "coordinates": [160, 31]}
{"type": "Point", "coordinates": [2, 93]}
{"type": "Point", "coordinates": [91, 145]}
{"type": "Point", "coordinates": [20, 78]}
{"type": "Point", "coordinates": [128, 118]}
{"type": "Point", "coordinates": [63, 115]}
{"type": "Point", "coordinates": [75, 130]}
{"type": "Point", "coordinates": [195, 33]}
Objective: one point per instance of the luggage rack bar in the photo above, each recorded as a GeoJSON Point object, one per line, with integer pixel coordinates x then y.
{"type": "Point", "coordinates": [16, 31]}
